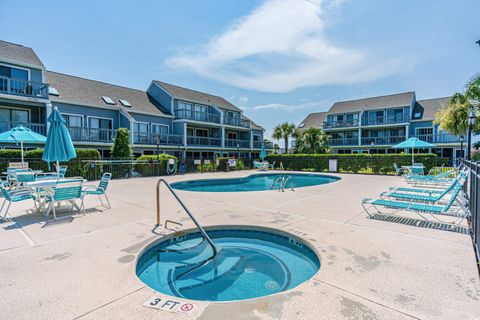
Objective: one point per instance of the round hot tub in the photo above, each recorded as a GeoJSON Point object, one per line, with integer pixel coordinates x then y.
{"type": "Point", "coordinates": [250, 263]}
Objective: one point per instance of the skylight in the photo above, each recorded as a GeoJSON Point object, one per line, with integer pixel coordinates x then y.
{"type": "Point", "coordinates": [108, 100]}
{"type": "Point", "coordinates": [125, 103]}
{"type": "Point", "coordinates": [52, 91]}
{"type": "Point", "coordinates": [301, 125]}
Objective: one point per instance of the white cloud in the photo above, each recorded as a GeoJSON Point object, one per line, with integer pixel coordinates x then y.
{"type": "Point", "coordinates": [243, 99]}
{"type": "Point", "coordinates": [281, 46]}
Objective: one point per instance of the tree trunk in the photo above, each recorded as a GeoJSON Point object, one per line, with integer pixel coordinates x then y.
{"type": "Point", "coordinates": [286, 144]}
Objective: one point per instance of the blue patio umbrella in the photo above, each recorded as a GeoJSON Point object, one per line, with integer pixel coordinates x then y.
{"type": "Point", "coordinates": [59, 146]}
{"type": "Point", "coordinates": [413, 143]}
{"type": "Point", "coordinates": [20, 135]}
{"type": "Point", "coordinates": [263, 153]}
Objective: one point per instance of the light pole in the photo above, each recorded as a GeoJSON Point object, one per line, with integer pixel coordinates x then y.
{"type": "Point", "coordinates": [472, 117]}
{"type": "Point", "coordinates": [158, 145]}
{"type": "Point", "coordinates": [462, 155]}
{"type": "Point", "coordinates": [238, 151]}
{"type": "Point", "coordinates": [372, 144]}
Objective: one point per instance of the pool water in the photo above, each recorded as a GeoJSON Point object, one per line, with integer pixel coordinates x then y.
{"type": "Point", "coordinates": [249, 264]}
{"type": "Point", "coordinates": [255, 182]}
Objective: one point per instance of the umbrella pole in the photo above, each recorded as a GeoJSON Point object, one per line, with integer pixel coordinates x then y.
{"type": "Point", "coordinates": [58, 170]}
{"type": "Point", "coordinates": [413, 157]}
{"type": "Point", "coordinates": [21, 153]}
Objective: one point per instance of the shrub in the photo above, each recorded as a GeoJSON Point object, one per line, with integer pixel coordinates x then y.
{"type": "Point", "coordinates": [121, 146]}
{"type": "Point", "coordinates": [354, 163]}
{"type": "Point", "coordinates": [34, 159]}
{"type": "Point", "coordinates": [157, 165]}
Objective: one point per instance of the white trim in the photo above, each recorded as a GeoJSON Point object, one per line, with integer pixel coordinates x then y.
{"type": "Point", "coordinates": [24, 64]}
{"type": "Point", "coordinates": [142, 122]}
{"type": "Point", "coordinates": [160, 125]}
{"type": "Point", "coordinates": [21, 68]}
{"type": "Point", "coordinates": [416, 130]}
{"type": "Point", "coordinates": [94, 117]}
{"type": "Point", "coordinates": [75, 115]}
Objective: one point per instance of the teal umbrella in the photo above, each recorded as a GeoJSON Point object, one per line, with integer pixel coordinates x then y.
{"type": "Point", "coordinates": [263, 153]}
{"type": "Point", "coordinates": [20, 135]}
{"type": "Point", "coordinates": [413, 143]}
{"type": "Point", "coordinates": [59, 146]}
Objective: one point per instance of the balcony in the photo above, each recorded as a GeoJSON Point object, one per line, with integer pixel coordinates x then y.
{"type": "Point", "coordinates": [155, 138]}
{"type": "Point", "coordinates": [258, 144]}
{"type": "Point", "coordinates": [389, 140]}
{"type": "Point", "coordinates": [343, 142]}
{"type": "Point", "coordinates": [85, 134]}
{"type": "Point", "coordinates": [385, 120]}
{"type": "Point", "coordinates": [235, 143]}
{"type": "Point", "coordinates": [23, 88]}
{"type": "Point", "coordinates": [197, 116]}
{"type": "Point", "coordinates": [35, 127]}
{"type": "Point", "coordinates": [236, 122]}
{"type": "Point", "coordinates": [438, 138]}
{"type": "Point", "coordinates": [340, 124]}
{"type": "Point", "coordinates": [204, 141]}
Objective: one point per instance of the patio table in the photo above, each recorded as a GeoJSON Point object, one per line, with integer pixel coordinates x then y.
{"type": "Point", "coordinates": [48, 185]}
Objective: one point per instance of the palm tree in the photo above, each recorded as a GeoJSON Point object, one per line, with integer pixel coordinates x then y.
{"type": "Point", "coordinates": [284, 131]}
{"type": "Point", "coordinates": [312, 140]}
{"type": "Point", "coordinates": [454, 117]}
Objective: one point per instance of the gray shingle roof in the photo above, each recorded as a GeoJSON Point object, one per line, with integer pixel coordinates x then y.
{"type": "Point", "coordinates": [314, 120]}
{"type": "Point", "coordinates": [19, 53]}
{"type": "Point", "coordinates": [82, 91]}
{"type": "Point", "coordinates": [428, 108]}
{"type": "Point", "coordinates": [388, 101]}
{"type": "Point", "coordinates": [197, 96]}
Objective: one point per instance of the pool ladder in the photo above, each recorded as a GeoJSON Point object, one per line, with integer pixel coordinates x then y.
{"type": "Point", "coordinates": [284, 180]}
{"type": "Point", "coordinates": [190, 214]}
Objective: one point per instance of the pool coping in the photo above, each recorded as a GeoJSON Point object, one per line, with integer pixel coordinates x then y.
{"type": "Point", "coordinates": [171, 234]}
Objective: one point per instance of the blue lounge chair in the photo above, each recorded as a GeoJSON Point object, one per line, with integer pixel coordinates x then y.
{"type": "Point", "coordinates": [398, 170]}
{"type": "Point", "coordinates": [454, 207]}
{"type": "Point", "coordinates": [100, 190]}
{"type": "Point", "coordinates": [423, 196]}
{"type": "Point", "coordinates": [13, 196]}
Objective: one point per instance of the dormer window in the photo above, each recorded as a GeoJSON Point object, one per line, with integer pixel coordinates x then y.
{"type": "Point", "coordinates": [108, 100]}
{"type": "Point", "coordinates": [53, 91]}
{"type": "Point", "coordinates": [417, 115]}
{"type": "Point", "coordinates": [125, 103]}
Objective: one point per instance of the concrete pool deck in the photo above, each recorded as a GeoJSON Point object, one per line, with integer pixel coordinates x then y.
{"type": "Point", "coordinates": [84, 268]}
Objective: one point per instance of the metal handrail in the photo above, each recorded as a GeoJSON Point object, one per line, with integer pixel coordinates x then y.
{"type": "Point", "coordinates": [202, 231]}
{"type": "Point", "coordinates": [273, 185]}
{"type": "Point", "coordinates": [286, 180]}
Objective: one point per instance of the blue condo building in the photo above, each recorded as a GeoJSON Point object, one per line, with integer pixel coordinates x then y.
{"type": "Point", "coordinates": [375, 124]}
{"type": "Point", "coordinates": [165, 118]}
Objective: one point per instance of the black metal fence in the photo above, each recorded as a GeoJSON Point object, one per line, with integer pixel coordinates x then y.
{"type": "Point", "coordinates": [472, 190]}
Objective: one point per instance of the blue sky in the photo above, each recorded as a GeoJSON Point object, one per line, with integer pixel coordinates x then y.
{"type": "Point", "coordinates": [278, 60]}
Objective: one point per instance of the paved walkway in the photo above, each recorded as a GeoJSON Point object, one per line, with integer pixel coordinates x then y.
{"type": "Point", "coordinates": [84, 268]}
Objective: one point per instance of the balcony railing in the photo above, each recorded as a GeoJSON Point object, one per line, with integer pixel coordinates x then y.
{"type": "Point", "coordinates": [383, 140]}
{"type": "Point", "coordinates": [402, 118]}
{"type": "Point", "coordinates": [258, 144]}
{"type": "Point", "coordinates": [156, 138]}
{"type": "Point", "coordinates": [236, 122]}
{"type": "Point", "coordinates": [35, 127]}
{"type": "Point", "coordinates": [340, 124]}
{"type": "Point", "coordinates": [343, 142]}
{"type": "Point", "coordinates": [197, 116]}
{"type": "Point", "coordinates": [92, 134]}
{"type": "Point", "coordinates": [23, 88]}
{"type": "Point", "coordinates": [235, 143]}
{"type": "Point", "coordinates": [438, 138]}
{"type": "Point", "coordinates": [204, 141]}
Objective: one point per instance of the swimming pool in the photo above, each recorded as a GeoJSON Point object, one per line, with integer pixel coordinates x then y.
{"type": "Point", "coordinates": [254, 182]}
{"type": "Point", "coordinates": [250, 263]}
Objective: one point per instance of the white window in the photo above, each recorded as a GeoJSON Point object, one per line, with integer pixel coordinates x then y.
{"type": "Point", "coordinates": [108, 100]}
{"type": "Point", "coordinates": [159, 129]}
{"type": "Point", "coordinates": [73, 120]}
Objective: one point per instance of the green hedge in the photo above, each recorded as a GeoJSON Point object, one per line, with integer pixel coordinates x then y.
{"type": "Point", "coordinates": [157, 165]}
{"type": "Point", "coordinates": [34, 159]}
{"type": "Point", "coordinates": [354, 163]}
